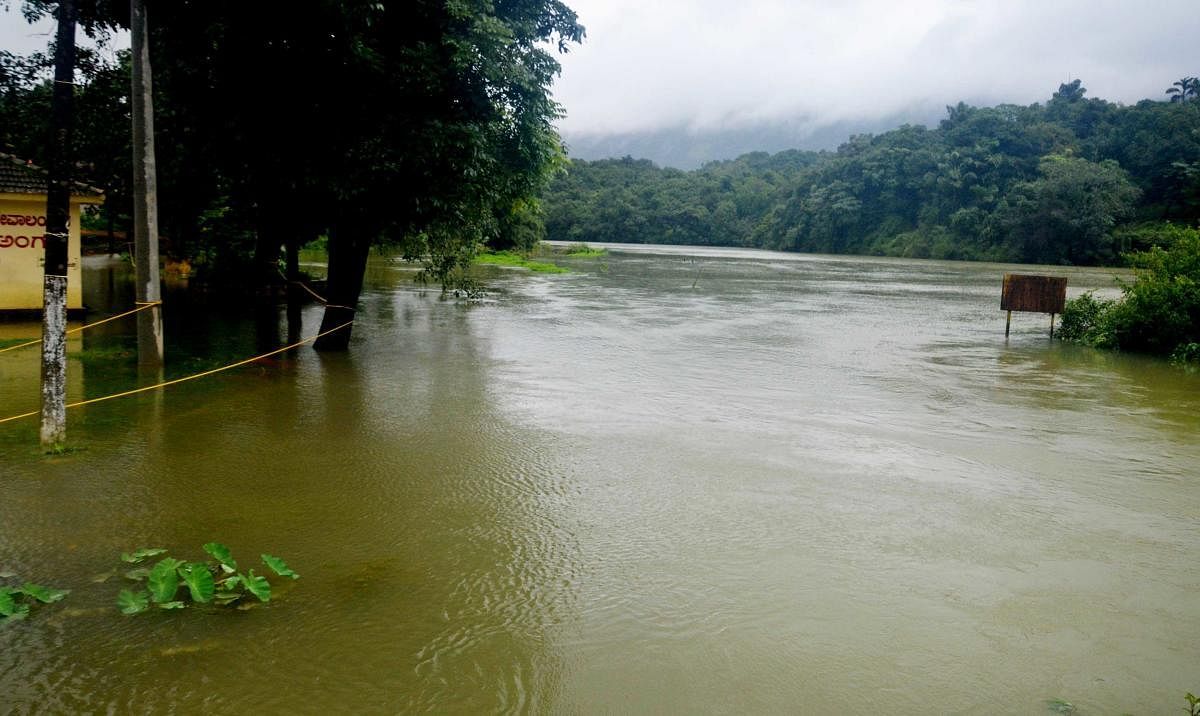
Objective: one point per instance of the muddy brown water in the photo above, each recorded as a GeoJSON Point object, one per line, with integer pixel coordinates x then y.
{"type": "Point", "coordinates": [672, 480]}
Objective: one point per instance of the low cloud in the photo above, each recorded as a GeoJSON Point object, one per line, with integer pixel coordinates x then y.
{"type": "Point", "coordinates": [709, 65]}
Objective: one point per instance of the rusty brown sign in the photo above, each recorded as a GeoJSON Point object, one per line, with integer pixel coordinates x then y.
{"type": "Point", "coordinates": [1037, 294]}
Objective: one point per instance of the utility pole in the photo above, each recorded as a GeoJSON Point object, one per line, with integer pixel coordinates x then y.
{"type": "Point", "coordinates": [145, 194]}
{"type": "Point", "coordinates": [58, 215]}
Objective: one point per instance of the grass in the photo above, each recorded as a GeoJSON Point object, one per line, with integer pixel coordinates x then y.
{"type": "Point", "coordinates": [583, 251]}
{"type": "Point", "coordinates": [61, 449]}
{"type": "Point", "coordinates": [10, 342]}
{"type": "Point", "coordinates": [512, 258]}
{"type": "Point", "coordinates": [107, 353]}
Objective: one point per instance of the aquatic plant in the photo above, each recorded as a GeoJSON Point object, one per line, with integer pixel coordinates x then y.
{"type": "Point", "coordinates": [582, 250]}
{"type": "Point", "coordinates": [15, 601]}
{"type": "Point", "coordinates": [1059, 706]}
{"type": "Point", "coordinates": [1193, 708]}
{"type": "Point", "coordinates": [216, 581]}
{"type": "Point", "coordinates": [511, 258]}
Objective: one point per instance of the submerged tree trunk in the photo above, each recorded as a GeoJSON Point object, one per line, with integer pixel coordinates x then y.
{"type": "Point", "coordinates": [295, 294]}
{"type": "Point", "coordinates": [109, 212]}
{"type": "Point", "coordinates": [271, 230]}
{"type": "Point", "coordinates": [58, 215]}
{"type": "Point", "coordinates": [145, 194]}
{"type": "Point", "coordinates": [349, 247]}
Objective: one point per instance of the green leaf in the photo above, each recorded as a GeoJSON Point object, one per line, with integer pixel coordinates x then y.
{"type": "Point", "coordinates": [20, 612]}
{"type": "Point", "coordinates": [138, 574]}
{"type": "Point", "coordinates": [8, 605]}
{"type": "Point", "coordinates": [230, 583]}
{"type": "Point", "coordinates": [279, 566]}
{"type": "Point", "coordinates": [199, 581]}
{"type": "Point", "coordinates": [164, 580]}
{"type": "Point", "coordinates": [139, 555]}
{"type": "Point", "coordinates": [221, 553]}
{"type": "Point", "coordinates": [45, 595]}
{"type": "Point", "coordinates": [133, 602]}
{"type": "Point", "coordinates": [224, 598]}
{"type": "Point", "coordinates": [257, 585]}
{"type": "Point", "coordinates": [172, 605]}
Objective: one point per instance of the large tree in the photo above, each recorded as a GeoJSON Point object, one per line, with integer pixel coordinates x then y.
{"type": "Point", "coordinates": [426, 123]}
{"type": "Point", "coordinates": [1067, 214]}
{"type": "Point", "coordinates": [447, 132]}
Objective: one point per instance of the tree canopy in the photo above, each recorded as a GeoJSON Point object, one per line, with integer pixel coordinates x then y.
{"type": "Point", "coordinates": [1066, 181]}
{"type": "Point", "coordinates": [426, 123]}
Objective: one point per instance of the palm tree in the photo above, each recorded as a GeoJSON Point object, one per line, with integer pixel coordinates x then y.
{"type": "Point", "coordinates": [1184, 89]}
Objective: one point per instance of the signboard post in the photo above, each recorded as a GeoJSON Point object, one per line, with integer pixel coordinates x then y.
{"type": "Point", "coordinates": [1033, 294]}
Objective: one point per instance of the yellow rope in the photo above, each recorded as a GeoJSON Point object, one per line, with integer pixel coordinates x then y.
{"type": "Point", "coordinates": [142, 305]}
{"type": "Point", "coordinates": [188, 377]}
{"type": "Point", "coordinates": [313, 293]}
{"type": "Point", "coordinates": [302, 285]}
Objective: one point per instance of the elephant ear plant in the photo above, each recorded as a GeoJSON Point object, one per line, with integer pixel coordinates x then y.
{"type": "Point", "coordinates": [15, 601]}
{"type": "Point", "coordinates": [216, 581]}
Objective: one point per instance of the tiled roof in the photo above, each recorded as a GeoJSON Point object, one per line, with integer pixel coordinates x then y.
{"type": "Point", "coordinates": [21, 177]}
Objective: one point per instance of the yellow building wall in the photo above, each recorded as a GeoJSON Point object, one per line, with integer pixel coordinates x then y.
{"type": "Point", "coordinates": [22, 252]}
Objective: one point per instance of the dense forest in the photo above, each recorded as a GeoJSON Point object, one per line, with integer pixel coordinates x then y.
{"type": "Point", "coordinates": [1071, 181]}
{"type": "Point", "coordinates": [423, 125]}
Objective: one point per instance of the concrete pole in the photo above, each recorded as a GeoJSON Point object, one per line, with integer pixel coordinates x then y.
{"type": "Point", "coordinates": [145, 193]}
{"type": "Point", "coordinates": [58, 216]}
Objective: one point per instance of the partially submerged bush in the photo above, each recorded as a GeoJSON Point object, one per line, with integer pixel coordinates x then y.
{"type": "Point", "coordinates": [1084, 320]}
{"type": "Point", "coordinates": [1159, 312]}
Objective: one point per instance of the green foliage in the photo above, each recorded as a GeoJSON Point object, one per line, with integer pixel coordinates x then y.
{"type": "Point", "coordinates": [1059, 183]}
{"type": "Point", "coordinates": [509, 258]}
{"type": "Point", "coordinates": [199, 581]}
{"type": "Point", "coordinates": [138, 555]}
{"type": "Point", "coordinates": [1059, 706]}
{"type": "Point", "coordinates": [217, 582]}
{"type": "Point", "coordinates": [9, 606]}
{"type": "Point", "coordinates": [1193, 701]}
{"type": "Point", "coordinates": [61, 449]}
{"type": "Point", "coordinates": [45, 595]}
{"type": "Point", "coordinates": [1159, 311]}
{"type": "Point", "coordinates": [256, 585]}
{"type": "Point", "coordinates": [278, 566]}
{"type": "Point", "coordinates": [221, 553]}
{"type": "Point", "coordinates": [438, 137]}
{"type": "Point", "coordinates": [15, 601]}
{"type": "Point", "coordinates": [163, 580]}
{"type": "Point", "coordinates": [131, 603]}
{"type": "Point", "coordinates": [583, 251]}
{"type": "Point", "coordinates": [1068, 213]}
{"type": "Point", "coordinates": [1085, 321]}
{"type": "Point", "coordinates": [1186, 354]}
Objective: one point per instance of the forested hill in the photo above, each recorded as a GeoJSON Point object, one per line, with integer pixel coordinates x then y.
{"type": "Point", "coordinates": [1072, 181]}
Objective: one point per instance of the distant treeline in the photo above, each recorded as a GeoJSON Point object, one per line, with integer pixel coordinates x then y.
{"type": "Point", "coordinates": [1071, 181]}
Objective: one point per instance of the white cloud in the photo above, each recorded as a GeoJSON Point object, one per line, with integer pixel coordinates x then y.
{"type": "Point", "coordinates": [708, 64]}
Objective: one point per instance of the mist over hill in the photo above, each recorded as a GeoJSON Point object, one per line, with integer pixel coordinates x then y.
{"type": "Point", "coordinates": [683, 147]}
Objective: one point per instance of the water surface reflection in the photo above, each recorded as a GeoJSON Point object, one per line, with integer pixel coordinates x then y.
{"type": "Point", "coordinates": [672, 480]}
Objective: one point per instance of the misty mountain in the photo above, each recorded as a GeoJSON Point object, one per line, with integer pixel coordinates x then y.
{"type": "Point", "coordinates": [685, 148]}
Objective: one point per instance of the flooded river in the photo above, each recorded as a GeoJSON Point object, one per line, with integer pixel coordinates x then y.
{"type": "Point", "coordinates": [670, 481]}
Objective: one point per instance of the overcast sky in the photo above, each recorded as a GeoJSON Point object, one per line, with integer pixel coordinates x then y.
{"type": "Point", "coordinates": [725, 64]}
{"type": "Point", "coordinates": [720, 64]}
